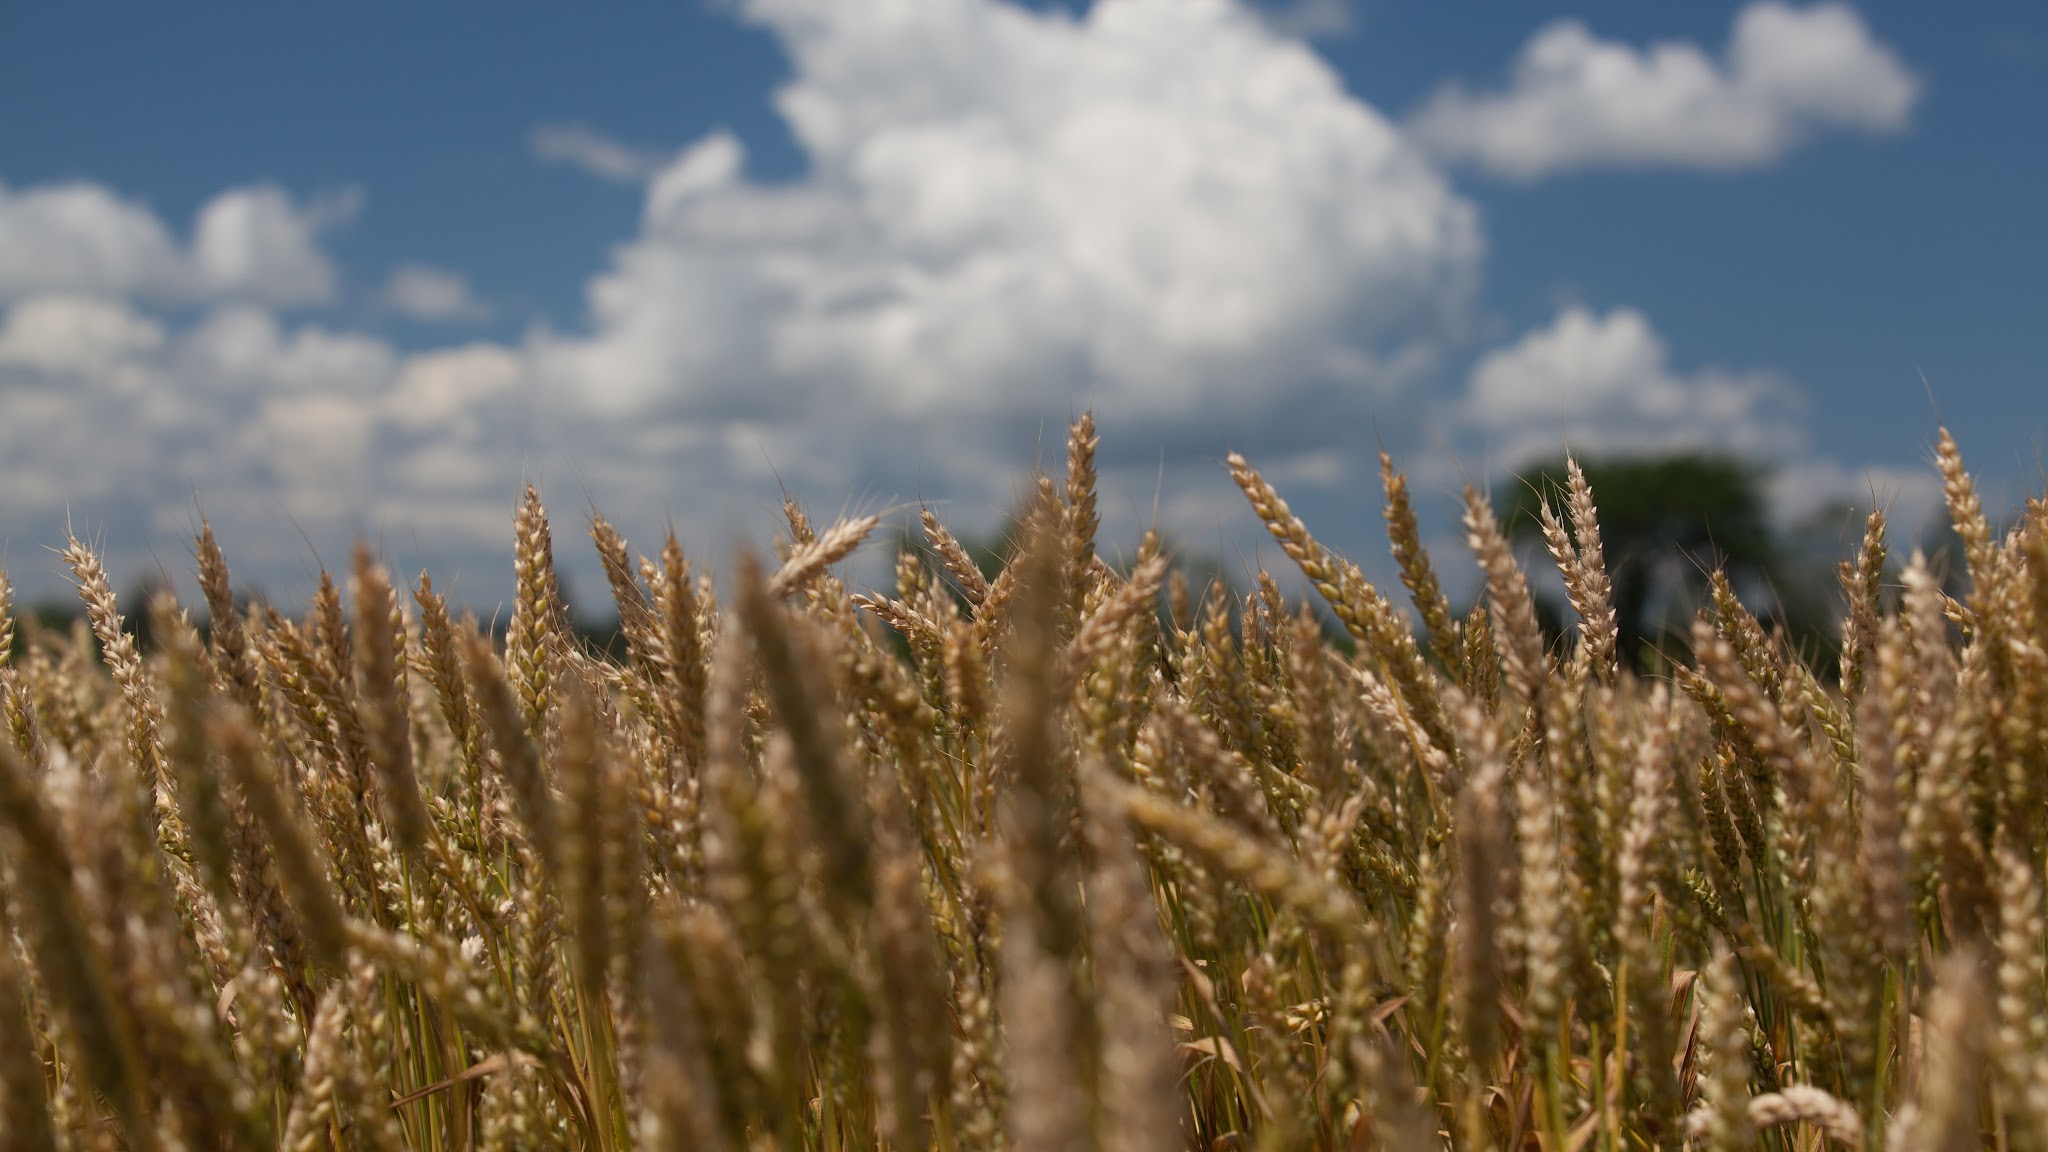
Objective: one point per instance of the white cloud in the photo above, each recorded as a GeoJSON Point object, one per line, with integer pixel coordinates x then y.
{"type": "Point", "coordinates": [1312, 19]}
{"type": "Point", "coordinates": [75, 334]}
{"type": "Point", "coordinates": [1014, 212]}
{"type": "Point", "coordinates": [442, 389]}
{"type": "Point", "coordinates": [116, 421]}
{"type": "Point", "coordinates": [137, 373]}
{"type": "Point", "coordinates": [1578, 101]}
{"type": "Point", "coordinates": [247, 347]}
{"type": "Point", "coordinates": [255, 244]}
{"type": "Point", "coordinates": [251, 244]}
{"type": "Point", "coordinates": [580, 147]}
{"type": "Point", "coordinates": [423, 292]}
{"type": "Point", "coordinates": [80, 237]}
{"type": "Point", "coordinates": [1605, 383]}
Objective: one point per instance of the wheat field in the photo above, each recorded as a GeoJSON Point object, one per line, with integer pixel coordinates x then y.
{"type": "Point", "coordinates": [1069, 857]}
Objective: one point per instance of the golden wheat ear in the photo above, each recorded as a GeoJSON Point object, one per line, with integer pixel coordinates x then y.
{"type": "Point", "coordinates": [1069, 870]}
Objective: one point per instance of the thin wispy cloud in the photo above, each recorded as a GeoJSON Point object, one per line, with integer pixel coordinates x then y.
{"type": "Point", "coordinates": [1313, 19]}
{"type": "Point", "coordinates": [252, 244]}
{"type": "Point", "coordinates": [587, 150]}
{"type": "Point", "coordinates": [1052, 208]}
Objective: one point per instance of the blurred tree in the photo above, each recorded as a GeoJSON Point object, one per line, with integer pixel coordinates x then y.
{"type": "Point", "coordinates": [1665, 523]}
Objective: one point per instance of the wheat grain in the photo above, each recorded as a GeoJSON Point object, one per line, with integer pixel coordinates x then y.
{"type": "Point", "coordinates": [1079, 870]}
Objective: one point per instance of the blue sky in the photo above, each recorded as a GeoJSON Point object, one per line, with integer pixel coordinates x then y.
{"type": "Point", "coordinates": [362, 270]}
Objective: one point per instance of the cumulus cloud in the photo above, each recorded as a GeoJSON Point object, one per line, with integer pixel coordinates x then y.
{"type": "Point", "coordinates": [252, 244]}
{"type": "Point", "coordinates": [250, 347]}
{"type": "Point", "coordinates": [443, 390]}
{"type": "Point", "coordinates": [74, 334]}
{"type": "Point", "coordinates": [586, 149]}
{"type": "Point", "coordinates": [1161, 207]}
{"type": "Point", "coordinates": [256, 244]}
{"type": "Point", "coordinates": [117, 422]}
{"type": "Point", "coordinates": [138, 373]}
{"type": "Point", "coordinates": [1604, 382]}
{"type": "Point", "coordinates": [423, 292]}
{"type": "Point", "coordinates": [80, 237]}
{"type": "Point", "coordinates": [110, 413]}
{"type": "Point", "coordinates": [1577, 101]}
